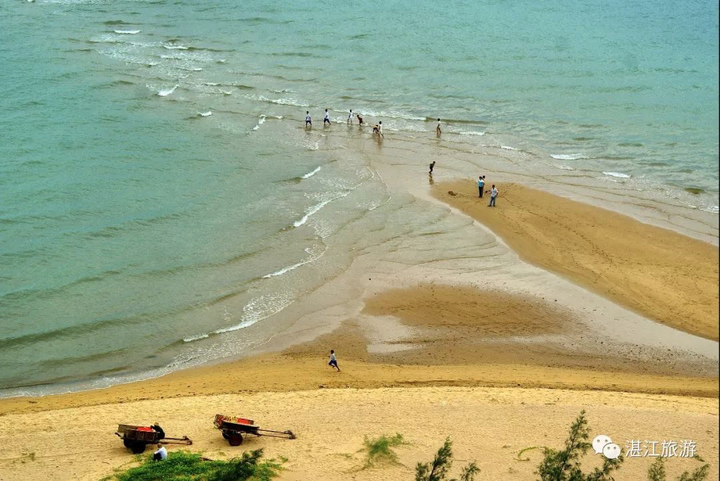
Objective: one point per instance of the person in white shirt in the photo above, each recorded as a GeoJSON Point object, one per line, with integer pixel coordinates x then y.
{"type": "Point", "coordinates": [438, 130]}
{"type": "Point", "coordinates": [333, 360]}
{"type": "Point", "coordinates": [326, 120]}
{"type": "Point", "coordinates": [350, 117]}
{"type": "Point", "coordinates": [378, 129]}
{"type": "Point", "coordinates": [308, 119]}
{"type": "Point", "coordinates": [160, 454]}
{"type": "Point", "coordinates": [493, 196]}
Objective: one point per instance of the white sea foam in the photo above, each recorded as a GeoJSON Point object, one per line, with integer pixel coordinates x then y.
{"type": "Point", "coordinates": [127, 32]}
{"type": "Point", "coordinates": [175, 47]}
{"type": "Point", "coordinates": [258, 309]}
{"type": "Point", "coordinates": [261, 121]}
{"type": "Point", "coordinates": [212, 84]}
{"type": "Point", "coordinates": [311, 211]}
{"type": "Point", "coordinates": [303, 262]}
{"type": "Point", "coordinates": [196, 338]}
{"type": "Point", "coordinates": [507, 147]}
{"type": "Point", "coordinates": [563, 167]}
{"type": "Point", "coordinates": [619, 175]}
{"type": "Point", "coordinates": [166, 92]}
{"type": "Point", "coordinates": [310, 174]}
{"type": "Point", "coordinates": [282, 101]}
{"type": "Point", "coordinates": [568, 156]}
{"type": "Point", "coordinates": [471, 132]}
{"type": "Point", "coordinates": [205, 114]}
{"type": "Point", "coordinates": [391, 115]}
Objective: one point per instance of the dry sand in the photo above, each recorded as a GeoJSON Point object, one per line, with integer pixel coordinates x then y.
{"type": "Point", "coordinates": [490, 425]}
{"type": "Point", "coordinates": [663, 275]}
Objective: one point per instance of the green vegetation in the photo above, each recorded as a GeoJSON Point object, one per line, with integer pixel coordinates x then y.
{"type": "Point", "coordinates": [187, 466]}
{"type": "Point", "coordinates": [380, 450]}
{"type": "Point", "coordinates": [564, 465]}
{"type": "Point", "coordinates": [657, 472]}
{"type": "Point", "coordinates": [439, 468]}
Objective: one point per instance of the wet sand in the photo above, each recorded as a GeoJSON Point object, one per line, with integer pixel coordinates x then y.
{"type": "Point", "coordinates": [663, 275]}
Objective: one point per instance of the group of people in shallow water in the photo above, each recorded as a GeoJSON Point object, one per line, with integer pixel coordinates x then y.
{"type": "Point", "coordinates": [377, 128]}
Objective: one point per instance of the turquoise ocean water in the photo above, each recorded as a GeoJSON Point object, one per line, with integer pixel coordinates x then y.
{"type": "Point", "coordinates": [157, 193]}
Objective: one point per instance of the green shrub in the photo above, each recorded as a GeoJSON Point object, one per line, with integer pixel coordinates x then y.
{"type": "Point", "coordinates": [187, 466]}
{"type": "Point", "coordinates": [380, 450]}
{"type": "Point", "coordinates": [657, 472]}
{"type": "Point", "coordinates": [564, 465]}
{"type": "Point", "coordinates": [439, 468]}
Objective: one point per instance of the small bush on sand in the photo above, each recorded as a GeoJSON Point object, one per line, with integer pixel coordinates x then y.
{"type": "Point", "coordinates": [439, 468]}
{"type": "Point", "coordinates": [380, 450]}
{"type": "Point", "coordinates": [657, 472]}
{"type": "Point", "coordinates": [187, 466]}
{"type": "Point", "coordinates": [564, 465]}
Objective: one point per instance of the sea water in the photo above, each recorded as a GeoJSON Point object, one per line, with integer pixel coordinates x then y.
{"type": "Point", "coordinates": [159, 195]}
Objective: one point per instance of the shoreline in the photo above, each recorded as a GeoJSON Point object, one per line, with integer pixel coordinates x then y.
{"type": "Point", "coordinates": [542, 344]}
{"type": "Point", "coordinates": [272, 345]}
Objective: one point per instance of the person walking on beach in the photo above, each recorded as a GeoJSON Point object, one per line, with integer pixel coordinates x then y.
{"type": "Point", "coordinates": [493, 196]}
{"type": "Point", "coordinates": [432, 166]}
{"type": "Point", "coordinates": [481, 185]}
{"type": "Point", "coordinates": [438, 130]}
{"type": "Point", "coordinates": [326, 120]}
{"type": "Point", "coordinates": [359, 117]}
{"type": "Point", "coordinates": [333, 360]}
{"type": "Point", "coordinates": [308, 119]}
{"type": "Point", "coordinates": [350, 117]}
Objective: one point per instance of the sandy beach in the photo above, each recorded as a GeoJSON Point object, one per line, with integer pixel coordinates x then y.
{"type": "Point", "coordinates": [498, 370]}
{"type": "Point", "coordinates": [663, 275]}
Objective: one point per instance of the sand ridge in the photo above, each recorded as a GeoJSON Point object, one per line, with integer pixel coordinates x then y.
{"type": "Point", "coordinates": [663, 275]}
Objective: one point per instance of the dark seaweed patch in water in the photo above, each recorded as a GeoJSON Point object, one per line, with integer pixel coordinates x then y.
{"type": "Point", "coordinates": [115, 22]}
{"type": "Point", "coordinates": [630, 144]}
{"type": "Point", "coordinates": [694, 190]}
{"type": "Point", "coordinates": [583, 139]}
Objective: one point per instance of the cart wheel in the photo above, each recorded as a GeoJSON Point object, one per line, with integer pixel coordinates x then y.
{"type": "Point", "coordinates": [128, 444]}
{"type": "Point", "coordinates": [225, 435]}
{"type": "Point", "coordinates": [138, 448]}
{"type": "Point", "coordinates": [235, 439]}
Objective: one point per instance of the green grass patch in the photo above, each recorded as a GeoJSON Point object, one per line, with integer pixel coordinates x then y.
{"type": "Point", "coordinates": [380, 450]}
{"type": "Point", "coordinates": [187, 466]}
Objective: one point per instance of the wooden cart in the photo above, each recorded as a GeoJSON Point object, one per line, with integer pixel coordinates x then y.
{"type": "Point", "coordinates": [233, 429]}
{"type": "Point", "coordinates": [136, 438]}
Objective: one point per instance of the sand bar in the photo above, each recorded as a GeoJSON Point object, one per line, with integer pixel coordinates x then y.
{"type": "Point", "coordinates": [663, 275]}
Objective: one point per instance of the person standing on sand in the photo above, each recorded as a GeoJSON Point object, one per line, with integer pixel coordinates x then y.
{"type": "Point", "coordinates": [493, 196]}
{"type": "Point", "coordinates": [438, 130]}
{"type": "Point", "coordinates": [308, 119]}
{"type": "Point", "coordinates": [326, 120]}
{"type": "Point", "coordinates": [481, 185]}
{"type": "Point", "coordinates": [350, 117]}
{"type": "Point", "coordinates": [359, 117]}
{"type": "Point", "coordinates": [432, 166]}
{"type": "Point", "coordinates": [333, 360]}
